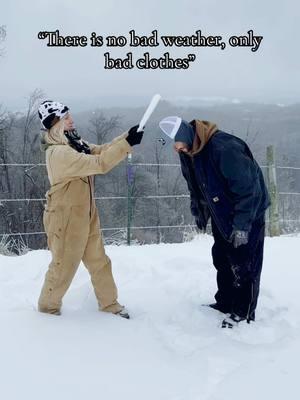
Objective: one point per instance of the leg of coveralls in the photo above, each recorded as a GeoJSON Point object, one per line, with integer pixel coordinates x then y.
{"type": "Point", "coordinates": [99, 267]}
{"type": "Point", "coordinates": [248, 260]}
{"type": "Point", "coordinates": [257, 268]}
{"type": "Point", "coordinates": [223, 267]}
{"type": "Point", "coordinates": [67, 251]}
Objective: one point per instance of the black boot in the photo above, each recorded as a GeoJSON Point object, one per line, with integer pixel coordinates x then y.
{"type": "Point", "coordinates": [232, 321]}
{"type": "Point", "coordinates": [220, 307]}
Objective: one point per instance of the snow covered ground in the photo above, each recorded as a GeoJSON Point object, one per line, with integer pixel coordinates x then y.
{"type": "Point", "coordinates": [171, 349]}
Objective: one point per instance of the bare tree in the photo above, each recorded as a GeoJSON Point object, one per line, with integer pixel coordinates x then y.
{"type": "Point", "coordinates": [101, 127]}
{"type": "Point", "coordinates": [6, 123]}
{"type": "Point", "coordinates": [32, 181]}
{"type": "Point", "coordinates": [7, 209]}
{"type": "Point", "coordinates": [31, 117]}
{"type": "Point", "coordinates": [2, 37]}
{"type": "Point", "coordinates": [250, 137]}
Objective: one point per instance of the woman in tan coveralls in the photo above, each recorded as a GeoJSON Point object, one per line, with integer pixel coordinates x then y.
{"type": "Point", "coordinates": [70, 217]}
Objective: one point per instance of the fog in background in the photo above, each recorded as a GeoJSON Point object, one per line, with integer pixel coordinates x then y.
{"type": "Point", "coordinates": [76, 75]}
{"type": "Point", "coordinates": [248, 94]}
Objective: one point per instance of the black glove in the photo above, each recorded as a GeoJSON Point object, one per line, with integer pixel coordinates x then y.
{"type": "Point", "coordinates": [200, 223]}
{"type": "Point", "coordinates": [134, 137]}
{"type": "Point", "coordinates": [238, 238]}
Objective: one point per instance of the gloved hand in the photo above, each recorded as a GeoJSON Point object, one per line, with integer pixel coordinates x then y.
{"type": "Point", "coordinates": [134, 137]}
{"type": "Point", "coordinates": [238, 238]}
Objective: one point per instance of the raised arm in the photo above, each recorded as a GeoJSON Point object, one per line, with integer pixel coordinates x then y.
{"type": "Point", "coordinates": [65, 162]}
{"type": "Point", "coordinates": [97, 149]}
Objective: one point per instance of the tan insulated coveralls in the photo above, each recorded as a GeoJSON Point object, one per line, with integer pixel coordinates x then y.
{"type": "Point", "coordinates": [72, 223]}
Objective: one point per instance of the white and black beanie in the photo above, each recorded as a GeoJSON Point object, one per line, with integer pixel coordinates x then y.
{"type": "Point", "coordinates": [50, 112]}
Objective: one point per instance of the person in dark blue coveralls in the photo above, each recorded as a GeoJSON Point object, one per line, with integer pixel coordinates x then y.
{"type": "Point", "coordinates": [226, 184]}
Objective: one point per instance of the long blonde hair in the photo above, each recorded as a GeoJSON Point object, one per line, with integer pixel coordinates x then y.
{"type": "Point", "coordinates": [55, 135]}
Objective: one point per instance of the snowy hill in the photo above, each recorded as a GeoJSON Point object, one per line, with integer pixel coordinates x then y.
{"type": "Point", "coordinates": [171, 349]}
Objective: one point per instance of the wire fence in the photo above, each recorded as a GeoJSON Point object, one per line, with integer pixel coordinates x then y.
{"type": "Point", "coordinates": [126, 229]}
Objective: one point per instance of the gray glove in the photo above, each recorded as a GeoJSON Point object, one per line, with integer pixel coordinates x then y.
{"type": "Point", "coordinates": [238, 238]}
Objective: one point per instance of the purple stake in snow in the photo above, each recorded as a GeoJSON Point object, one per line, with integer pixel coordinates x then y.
{"type": "Point", "coordinates": [130, 174]}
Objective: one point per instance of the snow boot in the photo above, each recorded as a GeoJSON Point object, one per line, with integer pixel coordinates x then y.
{"type": "Point", "coordinates": [232, 321]}
{"type": "Point", "coordinates": [53, 311]}
{"type": "Point", "coordinates": [123, 313]}
{"type": "Point", "coordinates": [219, 307]}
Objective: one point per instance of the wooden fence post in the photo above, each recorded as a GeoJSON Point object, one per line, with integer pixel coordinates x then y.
{"type": "Point", "coordinates": [274, 228]}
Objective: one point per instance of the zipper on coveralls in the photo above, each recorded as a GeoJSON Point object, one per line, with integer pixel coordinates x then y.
{"type": "Point", "coordinates": [208, 202]}
{"type": "Point", "coordinates": [90, 189]}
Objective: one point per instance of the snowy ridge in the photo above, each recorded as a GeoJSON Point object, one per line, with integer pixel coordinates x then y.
{"type": "Point", "coordinates": [171, 349]}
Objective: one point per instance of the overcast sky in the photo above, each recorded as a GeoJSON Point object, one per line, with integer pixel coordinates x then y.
{"type": "Point", "coordinates": [271, 74]}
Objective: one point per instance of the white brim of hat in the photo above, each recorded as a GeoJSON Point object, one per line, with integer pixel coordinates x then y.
{"type": "Point", "coordinates": [170, 125]}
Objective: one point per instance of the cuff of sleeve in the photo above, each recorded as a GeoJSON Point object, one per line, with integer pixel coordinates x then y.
{"type": "Point", "coordinates": [124, 135]}
{"type": "Point", "coordinates": [244, 228]}
{"type": "Point", "coordinates": [126, 145]}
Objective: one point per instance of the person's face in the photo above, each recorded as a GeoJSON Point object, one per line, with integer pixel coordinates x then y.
{"type": "Point", "coordinates": [68, 122]}
{"type": "Point", "coordinates": [181, 147]}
